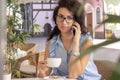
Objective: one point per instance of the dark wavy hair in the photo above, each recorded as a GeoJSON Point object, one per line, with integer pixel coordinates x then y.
{"type": "Point", "coordinates": [73, 6]}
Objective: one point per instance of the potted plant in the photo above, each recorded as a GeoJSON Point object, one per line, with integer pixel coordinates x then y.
{"type": "Point", "coordinates": [15, 37]}
{"type": "Point", "coordinates": [36, 29]}
{"type": "Point", "coordinates": [7, 73]}
{"type": "Point", "coordinates": [13, 42]}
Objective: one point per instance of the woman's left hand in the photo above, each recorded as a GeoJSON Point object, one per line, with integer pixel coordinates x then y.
{"type": "Point", "coordinates": [77, 35]}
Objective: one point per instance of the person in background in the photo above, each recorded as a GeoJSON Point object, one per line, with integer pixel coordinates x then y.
{"type": "Point", "coordinates": [47, 27]}
{"type": "Point", "coordinates": [66, 42]}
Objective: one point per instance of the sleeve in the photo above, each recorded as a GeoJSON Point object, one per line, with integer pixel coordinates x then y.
{"type": "Point", "coordinates": [88, 36]}
{"type": "Point", "coordinates": [84, 37]}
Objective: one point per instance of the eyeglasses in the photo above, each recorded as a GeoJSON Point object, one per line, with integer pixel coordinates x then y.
{"type": "Point", "coordinates": [61, 18]}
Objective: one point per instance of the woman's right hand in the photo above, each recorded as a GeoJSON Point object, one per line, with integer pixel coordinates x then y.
{"type": "Point", "coordinates": [44, 70]}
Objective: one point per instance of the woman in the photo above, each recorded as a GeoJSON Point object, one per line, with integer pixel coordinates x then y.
{"type": "Point", "coordinates": [65, 43]}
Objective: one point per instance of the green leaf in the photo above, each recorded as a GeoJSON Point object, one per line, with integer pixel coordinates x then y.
{"type": "Point", "coordinates": [81, 7]}
{"type": "Point", "coordinates": [116, 73]}
{"type": "Point", "coordinates": [112, 19]}
{"type": "Point", "coordinates": [18, 73]}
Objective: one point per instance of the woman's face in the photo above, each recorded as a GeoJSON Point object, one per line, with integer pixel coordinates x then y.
{"type": "Point", "coordinates": [64, 20]}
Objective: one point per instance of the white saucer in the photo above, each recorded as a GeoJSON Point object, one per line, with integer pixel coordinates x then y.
{"type": "Point", "coordinates": [55, 78]}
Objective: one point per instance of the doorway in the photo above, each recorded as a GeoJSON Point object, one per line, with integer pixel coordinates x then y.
{"type": "Point", "coordinates": [89, 23]}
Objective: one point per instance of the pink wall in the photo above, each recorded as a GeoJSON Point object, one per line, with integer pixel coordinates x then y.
{"type": "Point", "coordinates": [94, 4]}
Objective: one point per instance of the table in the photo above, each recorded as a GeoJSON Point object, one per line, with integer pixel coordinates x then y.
{"type": "Point", "coordinates": [109, 52]}
{"type": "Point", "coordinates": [112, 46]}
{"type": "Point", "coordinates": [40, 79]}
{"type": "Point", "coordinates": [28, 79]}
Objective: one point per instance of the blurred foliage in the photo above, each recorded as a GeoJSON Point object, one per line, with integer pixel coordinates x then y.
{"type": "Point", "coordinates": [15, 36]}
{"type": "Point", "coordinates": [110, 19]}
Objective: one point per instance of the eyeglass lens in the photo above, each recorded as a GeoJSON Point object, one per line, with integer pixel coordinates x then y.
{"type": "Point", "coordinates": [62, 18]}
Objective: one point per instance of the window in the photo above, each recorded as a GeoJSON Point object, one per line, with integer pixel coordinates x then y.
{"type": "Point", "coordinates": [98, 15]}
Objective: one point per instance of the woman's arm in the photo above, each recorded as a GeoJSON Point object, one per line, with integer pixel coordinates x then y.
{"type": "Point", "coordinates": [77, 68]}
{"type": "Point", "coordinates": [44, 69]}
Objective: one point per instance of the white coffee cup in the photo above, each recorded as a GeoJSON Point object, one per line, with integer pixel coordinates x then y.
{"type": "Point", "coordinates": [53, 62]}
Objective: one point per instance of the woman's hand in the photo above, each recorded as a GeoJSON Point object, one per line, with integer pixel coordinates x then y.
{"type": "Point", "coordinates": [44, 70]}
{"type": "Point", "coordinates": [77, 35]}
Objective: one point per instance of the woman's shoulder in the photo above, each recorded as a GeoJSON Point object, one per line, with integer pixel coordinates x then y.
{"type": "Point", "coordinates": [54, 39]}
{"type": "Point", "coordinates": [52, 45]}
{"type": "Point", "coordinates": [86, 35]}
{"type": "Point", "coordinates": [52, 42]}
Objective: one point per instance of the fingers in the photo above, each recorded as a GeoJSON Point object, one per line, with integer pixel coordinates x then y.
{"type": "Point", "coordinates": [77, 25]}
{"type": "Point", "coordinates": [42, 62]}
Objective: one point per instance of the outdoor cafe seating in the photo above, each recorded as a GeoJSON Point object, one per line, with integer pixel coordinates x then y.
{"type": "Point", "coordinates": [105, 68]}
{"type": "Point", "coordinates": [28, 65]}
{"type": "Point", "coordinates": [28, 70]}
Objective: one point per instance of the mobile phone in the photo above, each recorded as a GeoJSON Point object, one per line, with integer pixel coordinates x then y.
{"type": "Point", "coordinates": [73, 31]}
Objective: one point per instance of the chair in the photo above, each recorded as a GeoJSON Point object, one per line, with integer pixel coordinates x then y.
{"type": "Point", "coordinates": [29, 48]}
{"type": "Point", "coordinates": [42, 57]}
{"type": "Point", "coordinates": [28, 70]}
{"type": "Point", "coordinates": [105, 68]}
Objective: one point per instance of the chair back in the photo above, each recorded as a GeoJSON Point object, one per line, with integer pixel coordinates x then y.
{"type": "Point", "coordinates": [105, 68]}
{"type": "Point", "coordinates": [29, 48]}
{"type": "Point", "coordinates": [40, 57]}
{"type": "Point", "coordinates": [28, 70]}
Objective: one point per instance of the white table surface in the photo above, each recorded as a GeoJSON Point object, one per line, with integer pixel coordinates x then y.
{"type": "Point", "coordinates": [27, 79]}
{"type": "Point", "coordinates": [115, 45]}
{"type": "Point", "coordinates": [40, 79]}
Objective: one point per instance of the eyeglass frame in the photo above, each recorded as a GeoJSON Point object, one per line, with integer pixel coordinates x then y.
{"type": "Point", "coordinates": [62, 17]}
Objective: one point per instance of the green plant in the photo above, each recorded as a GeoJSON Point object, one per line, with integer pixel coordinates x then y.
{"type": "Point", "coordinates": [36, 27]}
{"type": "Point", "coordinates": [15, 37]}
{"type": "Point", "coordinates": [13, 41]}
{"type": "Point", "coordinates": [112, 19]}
